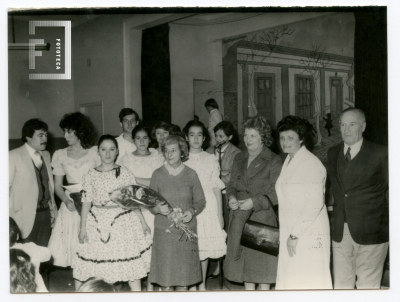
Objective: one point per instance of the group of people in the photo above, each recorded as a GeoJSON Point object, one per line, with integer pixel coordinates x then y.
{"type": "Point", "coordinates": [217, 190]}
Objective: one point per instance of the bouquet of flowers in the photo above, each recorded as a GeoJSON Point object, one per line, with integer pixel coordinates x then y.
{"type": "Point", "coordinates": [133, 197]}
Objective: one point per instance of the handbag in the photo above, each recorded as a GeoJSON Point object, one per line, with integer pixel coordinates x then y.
{"type": "Point", "coordinates": [261, 237]}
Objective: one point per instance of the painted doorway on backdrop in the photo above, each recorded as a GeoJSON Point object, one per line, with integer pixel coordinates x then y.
{"type": "Point", "coordinates": [264, 92]}
{"type": "Point", "coordinates": [336, 94]}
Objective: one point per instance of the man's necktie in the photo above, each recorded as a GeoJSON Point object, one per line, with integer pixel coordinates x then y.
{"type": "Point", "coordinates": [348, 155]}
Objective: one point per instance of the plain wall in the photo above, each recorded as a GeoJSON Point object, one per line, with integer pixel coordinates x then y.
{"type": "Point", "coordinates": [100, 41]}
{"type": "Point", "coordinates": [45, 99]}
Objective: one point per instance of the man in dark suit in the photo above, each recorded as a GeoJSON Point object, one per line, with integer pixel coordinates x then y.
{"type": "Point", "coordinates": [358, 171]}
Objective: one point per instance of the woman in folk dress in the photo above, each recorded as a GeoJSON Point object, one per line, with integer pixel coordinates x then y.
{"type": "Point", "coordinates": [115, 244]}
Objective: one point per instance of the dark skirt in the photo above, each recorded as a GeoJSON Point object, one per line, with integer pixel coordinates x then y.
{"type": "Point", "coordinates": [247, 265]}
{"type": "Point", "coordinates": [174, 262]}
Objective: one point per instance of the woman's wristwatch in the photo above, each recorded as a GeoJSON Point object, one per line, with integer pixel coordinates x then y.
{"type": "Point", "coordinates": [293, 237]}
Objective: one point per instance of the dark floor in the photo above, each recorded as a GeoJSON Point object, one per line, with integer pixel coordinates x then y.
{"type": "Point", "coordinates": [60, 280]}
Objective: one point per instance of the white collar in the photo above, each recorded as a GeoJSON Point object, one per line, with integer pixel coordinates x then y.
{"type": "Point", "coordinates": [173, 171]}
{"type": "Point", "coordinates": [354, 149]}
{"type": "Point", "coordinates": [32, 152]}
{"type": "Point", "coordinates": [213, 110]}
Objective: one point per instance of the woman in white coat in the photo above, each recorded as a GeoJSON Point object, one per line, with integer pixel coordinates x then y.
{"type": "Point", "coordinates": [304, 252]}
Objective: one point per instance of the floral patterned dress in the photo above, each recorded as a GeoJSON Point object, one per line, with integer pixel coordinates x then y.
{"type": "Point", "coordinates": [117, 249]}
{"type": "Point", "coordinates": [212, 238]}
{"type": "Point", "coordinates": [143, 167]}
{"type": "Point", "coordinates": [64, 237]}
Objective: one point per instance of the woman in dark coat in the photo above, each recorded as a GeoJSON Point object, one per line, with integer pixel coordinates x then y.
{"type": "Point", "coordinates": [253, 177]}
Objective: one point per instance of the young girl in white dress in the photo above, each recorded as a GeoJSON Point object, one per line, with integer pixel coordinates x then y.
{"type": "Point", "coordinates": [74, 161]}
{"type": "Point", "coordinates": [210, 222]}
{"type": "Point", "coordinates": [115, 244]}
{"type": "Point", "coordinates": [142, 162]}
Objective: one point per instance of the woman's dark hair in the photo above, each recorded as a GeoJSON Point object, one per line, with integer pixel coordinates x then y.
{"type": "Point", "coordinates": [206, 135]}
{"type": "Point", "coordinates": [14, 231]}
{"type": "Point", "coordinates": [301, 126]}
{"type": "Point", "coordinates": [128, 111]}
{"type": "Point", "coordinates": [106, 137]}
{"type": "Point", "coordinates": [211, 103]}
{"type": "Point", "coordinates": [93, 285]}
{"type": "Point", "coordinates": [229, 130]}
{"type": "Point", "coordinates": [176, 139]}
{"type": "Point", "coordinates": [30, 126]}
{"type": "Point", "coordinates": [141, 128]}
{"type": "Point", "coordinates": [81, 125]}
{"type": "Point", "coordinates": [22, 273]}
{"type": "Point", "coordinates": [174, 129]}
{"type": "Point", "coordinates": [263, 127]}
{"type": "Point", "coordinates": [159, 125]}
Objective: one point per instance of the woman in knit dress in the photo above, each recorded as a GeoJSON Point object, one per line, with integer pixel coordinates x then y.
{"type": "Point", "coordinates": [210, 223]}
{"type": "Point", "coordinates": [175, 262]}
{"type": "Point", "coordinates": [115, 244]}
{"type": "Point", "coordinates": [252, 183]}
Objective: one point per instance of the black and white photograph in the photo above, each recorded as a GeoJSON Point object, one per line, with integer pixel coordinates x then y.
{"type": "Point", "coordinates": [198, 149]}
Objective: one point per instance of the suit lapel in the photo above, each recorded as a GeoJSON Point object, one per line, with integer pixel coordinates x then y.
{"type": "Point", "coordinates": [28, 161]}
{"type": "Point", "coordinates": [357, 164]}
{"type": "Point", "coordinates": [259, 162]}
{"type": "Point", "coordinates": [335, 165]}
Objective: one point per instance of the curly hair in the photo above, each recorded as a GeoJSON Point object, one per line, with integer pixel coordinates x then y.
{"type": "Point", "coordinates": [94, 285]}
{"type": "Point", "coordinates": [263, 127]}
{"type": "Point", "coordinates": [301, 126]}
{"type": "Point", "coordinates": [30, 126]}
{"type": "Point", "coordinates": [81, 125]}
{"type": "Point", "coordinates": [183, 147]}
{"type": "Point", "coordinates": [22, 273]}
{"type": "Point", "coordinates": [206, 135]}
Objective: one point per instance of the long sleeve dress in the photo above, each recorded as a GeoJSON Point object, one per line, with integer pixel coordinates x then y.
{"type": "Point", "coordinates": [143, 167]}
{"type": "Point", "coordinates": [302, 213]}
{"type": "Point", "coordinates": [212, 238]}
{"type": "Point", "coordinates": [175, 261]}
{"type": "Point", "coordinates": [255, 181]}
{"type": "Point", "coordinates": [64, 237]}
{"type": "Point", "coordinates": [117, 249]}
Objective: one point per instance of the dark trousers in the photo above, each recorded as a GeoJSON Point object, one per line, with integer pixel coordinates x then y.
{"type": "Point", "coordinates": [225, 212]}
{"type": "Point", "coordinates": [41, 229]}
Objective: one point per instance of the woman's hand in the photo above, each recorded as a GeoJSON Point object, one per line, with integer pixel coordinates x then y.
{"type": "Point", "coordinates": [70, 205]}
{"type": "Point", "coordinates": [246, 204]}
{"type": "Point", "coordinates": [162, 209]}
{"type": "Point", "coordinates": [187, 216]}
{"type": "Point", "coordinates": [83, 238]}
{"type": "Point", "coordinates": [221, 220]}
{"type": "Point", "coordinates": [233, 203]}
{"type": "Point", "coordinates": [291, 246]}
